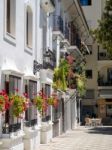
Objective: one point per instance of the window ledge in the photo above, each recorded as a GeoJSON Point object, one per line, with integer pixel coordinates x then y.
{"type": "Point", "coordinates": [10, 39]}
{"type": "Point", "coordinates": [28, 50]}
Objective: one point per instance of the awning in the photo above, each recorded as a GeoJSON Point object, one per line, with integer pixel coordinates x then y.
{"type": "Point", "coordinates": [9, 67]}
{"type": "Point", "coordinates": [28, 74]}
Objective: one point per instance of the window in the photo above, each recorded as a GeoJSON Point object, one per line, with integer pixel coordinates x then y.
{"type": "Point", "coordinates": [11, 124]}
{"type": "Point", "coordinates": [102, 56]}
{"type": "Point", "coordinates": [86, 2]}
{"type": "Point", "coordinates": [89, 74]}
{"type": "Point", "coordinates": [47, 91]}
{"type": "Point", "coordinates": [11, 17]}
{"type": "Point", "coordinates": [29, 27]}
{"type": "Point", "coordinates": [31, 112]}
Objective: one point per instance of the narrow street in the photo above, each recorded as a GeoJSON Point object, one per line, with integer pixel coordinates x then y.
{"type": "Point", "coordinates": [82, 139]}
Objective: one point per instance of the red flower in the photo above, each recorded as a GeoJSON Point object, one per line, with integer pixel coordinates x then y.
{"type": "Point", "coordinates": [16, 90]}
{"type": "Point", "coordinates": [70, 59]}
{"type": "Point", "coordinates": [25, 95]}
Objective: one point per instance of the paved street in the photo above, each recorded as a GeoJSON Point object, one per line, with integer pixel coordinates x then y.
{"type": "Point", "coordinates": [82, 139]}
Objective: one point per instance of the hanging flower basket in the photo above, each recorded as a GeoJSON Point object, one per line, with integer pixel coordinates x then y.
{"type": "Point", "coordinates": [53, 101]}
{"type": "Point", "coordinates": [19, 104]}
{"type": "Point", "coordinates": [41, 102]}
{"type": "Point", "coordinates": [4, 101]}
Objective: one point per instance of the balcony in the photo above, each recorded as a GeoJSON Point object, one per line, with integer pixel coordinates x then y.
{"type": "Point", "coordinates": [102, 56]}
{"type": "Point", "coordinates": [58, 26]}
{"type": "Point", "coordinates": [49, 60]}
{"type": "Point", "coordinates": [104, 59]}
{"type": "Point", "coordinates": [66, 40]}
{"type": "Point", "coordinates": [105, 93]}
{"type": "Point", "coordinates": [104, 83]}
{"type": "Point", "coordinates": [75, 40]}
{"type": "Point", "coordinates": [48, 5]}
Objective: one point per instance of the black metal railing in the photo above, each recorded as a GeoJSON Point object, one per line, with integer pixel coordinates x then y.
{"type": "Point", "coordinates": [75, 40]}
{"type": "Point", "coordinates": [103, 56]}
{"type": "Point", "coordinates": [11, 128]}
{"type": "Point", "coordinates": [58, 23]}
{"type": "Point", "coordinates": [53, 3]}
{"type": "Point", "coordinates": [78, 42]}
{"type": "Point", "coordinates": [46, 118]}
{"type": "Point", "coordinates": [49, 60]}
{"type": "Point", "coordinates": [104, 83]}
{"type": "Point", "coordinates": [31, 123]}
{"type": "Point", "coordinates": [66, 32]}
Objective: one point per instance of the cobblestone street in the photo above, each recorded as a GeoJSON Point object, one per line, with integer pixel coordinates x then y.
{"type": "Point", "coordinates": [82, 139]}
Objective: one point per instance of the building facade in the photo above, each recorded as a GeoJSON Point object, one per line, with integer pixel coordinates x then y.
{"type": "Point", "coordinates": [35, 35]}
{"type": "Point", "coordinates": [97, 102]}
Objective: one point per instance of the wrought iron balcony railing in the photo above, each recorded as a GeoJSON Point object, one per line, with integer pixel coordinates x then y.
{"type": "Point", "coordinates": [78, 42]}
{"type": "Point", "coordinates": [58, 23]}
{"type": "Point", "coordinates": [103, 56]}
{"type": "Point", "coordinates": [75, 40]}
{"type": "Point", "coordinates": [6, 129]}
{"type": "Point", "coordinates": [104, 83]}
{"type": "Point", "coordinates": [31, 123]}
{"type": "Point", "coordinates": [66, 32]}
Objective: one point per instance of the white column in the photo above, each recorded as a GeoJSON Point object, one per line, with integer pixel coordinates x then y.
{"type": "Point", "coordinates": [79, 111]}
{"type": "Point", "coordinates": [75, 113]}
{"type": "Point", "coordinates": [57, 51]}
{"type": "Point", "coordinates": [58, 7]}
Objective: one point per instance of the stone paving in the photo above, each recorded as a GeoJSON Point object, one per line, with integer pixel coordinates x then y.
{"type": "Point", "coordinates": [82, 139]}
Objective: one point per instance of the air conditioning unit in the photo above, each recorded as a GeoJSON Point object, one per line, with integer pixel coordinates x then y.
{"type": "Point", "coordinates": [48, 5]}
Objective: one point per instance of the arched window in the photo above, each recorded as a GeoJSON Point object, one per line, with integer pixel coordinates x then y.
{"type": "Point", "coordinates": [10, 17]}
{"type": "Point", "coordinates": [29, 27]}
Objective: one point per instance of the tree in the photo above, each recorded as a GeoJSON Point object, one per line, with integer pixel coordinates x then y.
{"type": "Point", "coordinates": [103, 33]}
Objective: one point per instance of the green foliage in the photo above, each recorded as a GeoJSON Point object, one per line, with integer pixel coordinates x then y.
{"type": "Point", "coordinates": [38, 101]}
{"type": "Point", "coordinates": [18, 104]}
{"type": "Point", "coordinates": [81, 80]}
{"type": "Point", "coordinates": [60, 75]}
{"type": "Point", "coordinates": [103, 33]}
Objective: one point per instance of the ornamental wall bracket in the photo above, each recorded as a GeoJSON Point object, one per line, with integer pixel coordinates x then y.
{"type": "Point", "coordinates": [36, 66]}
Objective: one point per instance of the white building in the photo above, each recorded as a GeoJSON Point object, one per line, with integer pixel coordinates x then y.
{"type": "Point", "coordinates": [34, 35]}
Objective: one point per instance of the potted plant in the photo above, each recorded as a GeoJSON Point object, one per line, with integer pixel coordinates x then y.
{"type": "Point", "coordinates": [60, 75]}
{"type": "Point", "coordinates": [4, 101]}
{"type": "Point", "coordinates": [81, 85]}
{"type": "Point", "coordinates": [53, 101]}
{"type": "Point", "coordinates": [40, 102]}
{"type": "Point", "coordinates": [19, 104]}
